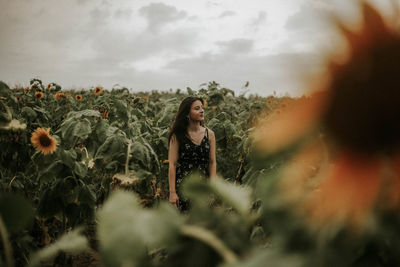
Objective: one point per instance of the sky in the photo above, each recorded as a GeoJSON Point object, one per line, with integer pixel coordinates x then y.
{"type": "Point", "coordinates": [276, 45]}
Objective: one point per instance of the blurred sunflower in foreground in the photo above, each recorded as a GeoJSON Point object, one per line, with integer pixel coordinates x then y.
{"type": "Point", "coordinates": [43, 142]}
{"type": "Point", "coordinates": [347, 171]}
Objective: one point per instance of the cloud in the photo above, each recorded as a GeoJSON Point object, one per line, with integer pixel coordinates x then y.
{"type": "Point", "coordinates": [155, 46]}
{"type": "Point", "coordinates": [236, 46]}
{"type": "Point", "coordinates": [227, 13]}
{"type": "Point", "coordinates": [99, 48]}
{"type": "Point", "coordinates": [305, 19]}
{"type": "Point", "coordinates": [265, 73]}
{"type": "Point", "coordinates": [124, 13]}
{"type": "Point", "coordinates": [212, 4]}
{"type": "Point", "coordinates": [261, 18]}
{"type": "Point", "coordinates": [310, 29]}
{"type": "Point", "coordinates": [159, 15]}
{"type": "Point", "coordinates": [257, 22]}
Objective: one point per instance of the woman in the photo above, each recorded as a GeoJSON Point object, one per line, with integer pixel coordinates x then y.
{"type": "Point", "coordinates": [191, 149]}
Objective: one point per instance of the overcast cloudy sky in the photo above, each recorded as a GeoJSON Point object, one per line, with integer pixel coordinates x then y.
{"type": "Point", "coordinates": [147, 45]}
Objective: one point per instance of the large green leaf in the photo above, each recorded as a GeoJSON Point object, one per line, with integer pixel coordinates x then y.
{"type": "Point", "coordinates": [218, 129]}
{"type": "Point", "coordinates": [122, 109]}
{"type": "Point", "coordinates": [141, 153]}
{"type": "Point", "coordinates": [72, 129]}
{"type": "Point", "coordinates": [29, 113]}
{"type": "Point", "coordinates": [73, 242]}
{"type": "Point", "coordinates": [229, 128]}
{"type": "Point", "coordinates": [126, 232]}
{"type": "Point", "coordinates": [238, 196]}
{"type": "Point", "coordinates": [4, 89]}
{"type": "Point", "coordinates": [87, 195]}
{"type": "Point", "coordinates": [80, 169]}
{"type": "Point", "coordinates": [68, 157]}
{"type": "Point", "coordinates": [112, 146]}
{"type": "Point", "coordinates": [51, 171]}
{"type": "Point", "coordinates": [15, 211]}
{"type": "Point", "coordinates": [83, 113]}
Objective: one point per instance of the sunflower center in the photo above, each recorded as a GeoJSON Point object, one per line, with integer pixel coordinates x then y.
{"type": "Point", "coordinates": [44, 140]}
{"type": "Point", "coordinates": [364, 110]}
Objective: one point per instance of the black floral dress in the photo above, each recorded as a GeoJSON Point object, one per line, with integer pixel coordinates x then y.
{"type": "Point", "coordinates": [191, 158]}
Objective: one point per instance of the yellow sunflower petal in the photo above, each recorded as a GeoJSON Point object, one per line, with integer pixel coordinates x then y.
{"type": "Point", "coordinates": [43, 142]}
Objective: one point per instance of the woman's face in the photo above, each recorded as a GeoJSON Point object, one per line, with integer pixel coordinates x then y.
{"type": "Point", "coordinates": [196, 111]}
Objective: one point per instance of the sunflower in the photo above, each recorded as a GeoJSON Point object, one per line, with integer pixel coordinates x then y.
{"type": "Point", "coordinates": [61, 95]}
{"type": "Point", "coordinates": [18, 98]}
{"type": "Point", "coordinates": [39, 95]}
{"type": "Point", "coordinates": [359, 177]}
{"type": "Point", "coordinates": [78, 97]}
{"type": "Point", "coordinates": [103, 113]}
{"type": "Point", "coordinates": [205, 103]}
{"type": "Point", "coordinates": [43, 142]}
{"type": "Point", "coordinates": [26, 90]}
{"type": "Point", "coordinates": [98, 90]}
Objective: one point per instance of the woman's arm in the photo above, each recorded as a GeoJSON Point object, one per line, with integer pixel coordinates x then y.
{"type": "Point", "coordinates": [213, 161]}
{"type": "Point", "coordinates": [172, 159]}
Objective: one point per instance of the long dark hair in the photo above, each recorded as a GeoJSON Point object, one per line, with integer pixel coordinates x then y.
{"type": "Point", "coordinates": [181, 121]}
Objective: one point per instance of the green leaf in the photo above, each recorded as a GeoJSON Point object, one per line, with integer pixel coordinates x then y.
{"type": "Point", "coordinates": [28, 112]}
{"type": "Point", "coordinates": [126, 232]}
{"type": "Point", "coordinates": [229, 128]}
{"type": "Point", "coordinates": [49, 204]}
{"type": "Point", "coordinates": [141, 153]}
{"type": "Point", "coordinates": [121, 109]}
{"type": "Point", "coordinates": [68, 157]}
{"type": "Point", "coordinates": [72, 129]}
{"type": "Point", "coordinates": [83, 113]}
{"type": "Point", "coordinates": [113, 145]}
{"type": "Point", "coordinates": [238, 196]}
{"type": "Point", "coordinates": [4, 118]}
{"type": "Point", "coordinates": [164, 141]}
{"type": "Point", "coordinates": [218, 129]}
{"type": "Point", "coordinates": [190, 91]}
{"type": "Point", "coordinates": [272, 256]}
{"type": "Point", "coordinates": [52, 170]}
{"type": "Point", "coordinates": [102, 130]}
{"type": "Point", "coordinates": [45, 177]}
{"type": "Point", "coordinates": [80, 169]}
{"type": "Point", "coordinates": [73, 243]}
{"type": "Point", "coordinates": [4, 89]}
{"type": "Point", "coordinates": [87, 196]}
{"type": "Point", "coordinates": [16, 212]}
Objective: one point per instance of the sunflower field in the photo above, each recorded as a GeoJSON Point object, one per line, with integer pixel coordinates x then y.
{"type": "Point", "coordinates": [63, 152]}
{"type": "Point", "coordinates": [308, 181]}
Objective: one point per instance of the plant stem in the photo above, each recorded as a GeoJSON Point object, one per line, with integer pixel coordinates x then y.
{"type": "Point", "coordinates": [64, 223]}
{"type": "Point", "coordinates": [210, 239]}
{"type": "Point", "coordinates": [128, 152]}
{"type": "Point", "coordinates": [87, 154]}
{"type": "Point", "coordinates": [6, 244]}
{"type": "Point", "coordinates": [12, 180]}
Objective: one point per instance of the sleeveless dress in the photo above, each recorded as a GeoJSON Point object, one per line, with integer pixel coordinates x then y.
{"type": "Point", "coordinates": [191, 158]}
